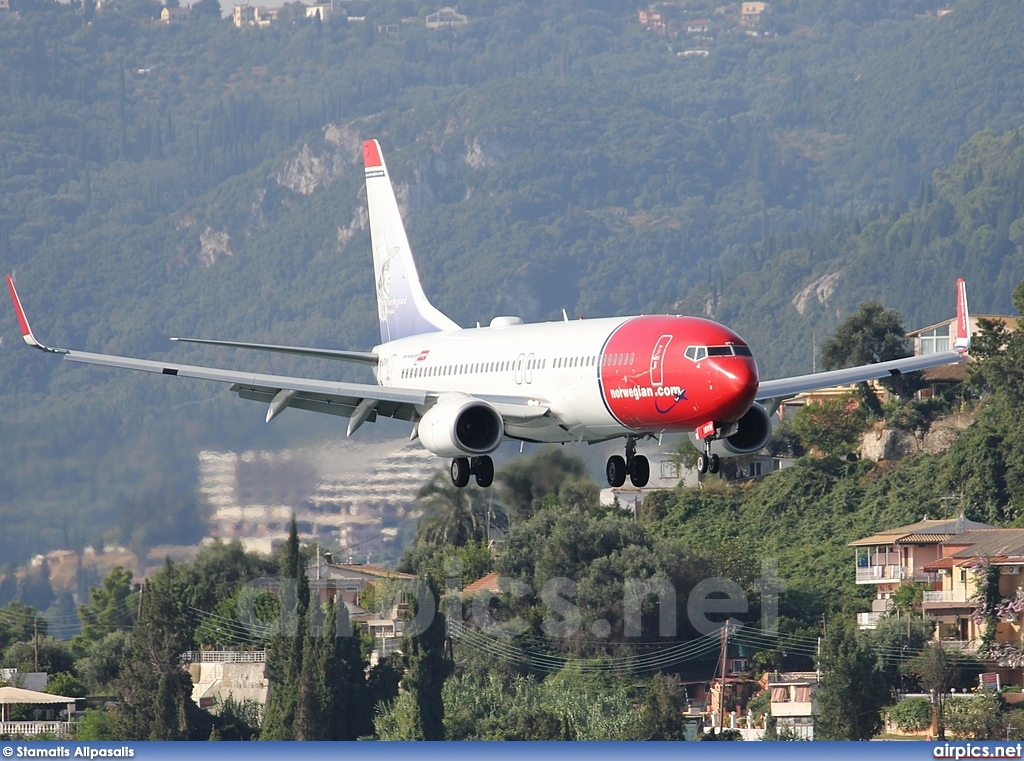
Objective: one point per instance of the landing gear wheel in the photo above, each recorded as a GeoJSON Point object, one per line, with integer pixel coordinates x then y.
{"type": "Point", "coordinates": [460, 471]}
{"type": "Point", "coordinates": [702, 463]}
{"type": "Point", "coordinates": [615, 470]}
{"type": "Point", "coordinates": [483, 470]}
{"type": "Point", "coordinates": [639, 471]}
{"type": "Point", "coordinates": [715, 465]}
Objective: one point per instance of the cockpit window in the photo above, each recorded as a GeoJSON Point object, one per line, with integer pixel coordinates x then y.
{"type": "Point", "coordinates": [697, 353]}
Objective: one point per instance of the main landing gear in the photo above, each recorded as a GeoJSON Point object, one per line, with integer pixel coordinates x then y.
{"type": "Point", "coordinates": [636, 466]}
{"type": "Point", "coordinates": [707, 461]}
{"type": "Point", "coordinates": [482, 468]}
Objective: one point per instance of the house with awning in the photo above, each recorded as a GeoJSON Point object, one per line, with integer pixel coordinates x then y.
{"type": "Point", "coordinates": [45, 704]}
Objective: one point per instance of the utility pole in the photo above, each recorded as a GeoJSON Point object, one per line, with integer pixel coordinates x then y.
{"type": "Point", "coordinates": [721, 693]}
{"type": "Point", "coordinates": [490, 501]}
{"type": "Point", "coordinates": [35, 639]}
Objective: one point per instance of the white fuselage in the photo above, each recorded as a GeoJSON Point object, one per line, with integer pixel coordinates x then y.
{"type": "Point", "coordinates": [598, 378]}
{"type": "Point", "coordinates": [556, 363]}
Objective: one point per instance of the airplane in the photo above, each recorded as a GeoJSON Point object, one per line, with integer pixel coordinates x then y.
{"type": "Point", "coordinates": [466, 390]}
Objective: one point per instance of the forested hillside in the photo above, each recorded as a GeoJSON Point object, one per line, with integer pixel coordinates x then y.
{"type": "Point", "coordinates": [200, 179]}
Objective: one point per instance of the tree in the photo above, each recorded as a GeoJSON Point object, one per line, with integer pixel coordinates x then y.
{"type": "Point", "coordinates": [527, 481]}
{"type": "Point", "coordinates": [871, 334]}
{"type": "Point", "coordinates": [912, 714]}
{"type": "Point", "coordinates": [451, 516]}
{"type": "Point", "coordinates": [830, 426]}
{"type": "Point", "coordinates": [990, 340]}
{"type": "Point", "coordinates": [429, 665]}
{"type": "Point", "coordinates": [35, 589]}
{"type": "Point", "coordinates": [238, 720]}
{"type": "Point", "coordinates": [333, 694]}
{"type": "Point", "coordinates": [975, 717]}
{"type": "Point", "coordinates": [102, 666]}
{"type": "Point", "coordinates": [156, 692]}
{"type": "Point", "coordinates": [19, 623]}
{"type": "Point", "coordinates": [285, 649]}
{"type": "Point", "coordinates": [853, 689]}
{"type": "Point", "coordinates": [108, 609]}
{"type": "Point", "coordinates": [207, 9]}
{"type": "Point", "coordinates": [664, 705]}
{"type": "Point", "coordinates": [897, 636]}
{"type": "Point", "coordinates": [310, 715]}
{"type": "Point", "coordinates": [936, 671]}
{"type": "Point", "coordinates": [49, 654]}
{"type": "Point", "coordinates": [65, 683]}
{"type": "Point", "coordinates": [97, 725]}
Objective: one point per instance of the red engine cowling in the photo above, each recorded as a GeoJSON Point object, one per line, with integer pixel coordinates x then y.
{"type": "Point", "coordinates": [459, 426]}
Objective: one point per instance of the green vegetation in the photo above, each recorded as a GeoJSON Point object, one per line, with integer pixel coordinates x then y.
{"type": "Point", "coordinates": [912, 714]}
{"type": "Point", "coordinates": [593, 633]}
{"type": "Point", "coordinates": [198, 179]}
{"type": "Point", "coordinates": [183, 180]}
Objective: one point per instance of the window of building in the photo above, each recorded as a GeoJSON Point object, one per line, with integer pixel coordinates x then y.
{"type": "Point", "coordinates": [935, 340]}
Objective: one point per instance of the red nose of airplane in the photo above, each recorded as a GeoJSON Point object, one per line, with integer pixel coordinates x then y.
{"type": "Point", "coordinates": [735, 382]}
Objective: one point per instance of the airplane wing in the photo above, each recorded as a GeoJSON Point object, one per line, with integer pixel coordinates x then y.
{"type": "Point", "coordinates": [359, 402]}
{"type": "Point", "coordinates": [786, 387]}
{"type": "Point", "coordinates": [364, 357]}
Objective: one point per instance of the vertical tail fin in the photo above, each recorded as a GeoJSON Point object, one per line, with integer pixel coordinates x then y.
{"type": "Point", "coordinates": [963, 319]}
{"type": "Point", "coordinates": [402, 307]}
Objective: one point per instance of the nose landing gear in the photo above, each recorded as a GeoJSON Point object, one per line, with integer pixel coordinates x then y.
{"type": "Point", "coordinates": [636, 466]}
{"type": "Point", "coordinates": [482, 468]}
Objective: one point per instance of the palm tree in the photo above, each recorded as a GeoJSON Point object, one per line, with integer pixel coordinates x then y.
{"type": "Point", "coordinates": [454, 516]}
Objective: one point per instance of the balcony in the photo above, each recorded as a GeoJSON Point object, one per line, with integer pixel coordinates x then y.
{"type": "Point", "coordinates": [803, 708]}
{"type": "Point", "coordinates": [960, 645]}
{"type": "Point", "coordinates": [945, 596]}
{"type": "Point", "coordinates": [29, 728]}
{"type": "Point", "coordinates": [869, 620]}
{"type": "Point", "coordinates": [874, 574]}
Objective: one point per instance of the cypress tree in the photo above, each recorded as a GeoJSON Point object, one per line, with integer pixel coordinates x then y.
{"type": "Point", "coordinates": [311, 723]}
{"type": "Point", "coordinates": [284, 651]}
{"type": "Point", "coordinates": [429, 666]}
{"type": "Point", "coordinates": [348, 708]}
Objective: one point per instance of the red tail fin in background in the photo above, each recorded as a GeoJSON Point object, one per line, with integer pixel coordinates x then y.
{"type": "Point", "coordinates": [963, 319]}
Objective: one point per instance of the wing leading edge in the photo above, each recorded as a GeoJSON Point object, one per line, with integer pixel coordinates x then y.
{"type": "Point", "coordinates": [359, 402]}
{"type": "Point", "coordinates": [363, 357]}
{"type": "Point", "coordinates": [786, 387]}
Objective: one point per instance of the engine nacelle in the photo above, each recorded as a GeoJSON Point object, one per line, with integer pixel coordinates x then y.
{"type": "Point", "coordinates": [460, 426]}
{"type": "Point", "coordinates": [753, 432]}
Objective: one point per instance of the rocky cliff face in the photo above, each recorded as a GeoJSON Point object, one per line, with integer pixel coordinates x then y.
{"type": "Point", "coordinates": [881, 443]}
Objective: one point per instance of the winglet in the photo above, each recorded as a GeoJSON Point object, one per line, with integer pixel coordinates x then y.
{"type": "Point", "coordinates": [371, 154]}
{"type": "Point", "coordinates": [26, 329]}
{"type": "Point", "coordinates": [963, 319]}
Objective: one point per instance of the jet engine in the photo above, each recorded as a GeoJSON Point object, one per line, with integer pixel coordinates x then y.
{"type": "Point", "coordinates": [460, 425]}
{"type": "Point", "coordinates": [753, 431]}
